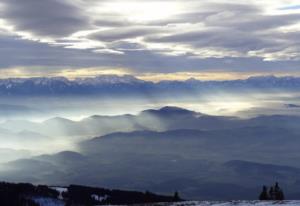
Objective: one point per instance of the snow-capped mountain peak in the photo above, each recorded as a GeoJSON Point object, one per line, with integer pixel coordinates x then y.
{"type": "Point", "coordinates": [109, 79]}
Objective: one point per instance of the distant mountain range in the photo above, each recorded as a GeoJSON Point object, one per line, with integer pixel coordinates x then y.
{"type": "Point", "coordinates": [27, 134]}
{"type": "Point", "coordinates": [127, 84]}
{"type": "Point", "coordinates": [162, 119]}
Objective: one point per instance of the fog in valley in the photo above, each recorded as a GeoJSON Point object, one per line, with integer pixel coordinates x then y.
{"type": "Point", "coordinates": [193, 142]}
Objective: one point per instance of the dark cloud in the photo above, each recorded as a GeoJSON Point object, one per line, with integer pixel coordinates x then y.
{"type": "Point", "coordinates": [16, 52]}
{"type": "Point", "coordinates": [252, 22]}
{"type": "Point", "coordinates": [112, 20]}
{"type": "Point", "coordinates": [217, 37]}
{"type": "Point", "coordinates": [124, 46]}
{"type": "Point", "coordinates": [44, 17]}
{"type": "Point", "coordinates": [111, 23]}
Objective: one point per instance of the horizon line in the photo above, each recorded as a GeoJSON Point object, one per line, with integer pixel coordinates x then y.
{"type": "Point", "coordinates": [138, 77]}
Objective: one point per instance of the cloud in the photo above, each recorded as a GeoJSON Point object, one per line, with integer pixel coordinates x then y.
{"type": "Point", "coordinates": [291, 7]}
{"type": "Point", "coordinates": [44, 17]}
{"type": "Point", "coordinates": [118, 34]}
{"type": "Point", "coordinates": [17, 52]}
{"type": "Point", "coordinates": [237, 30]}
{"type": "Point", "coordinates": [39, 59]}
{"type": "Point", "coordinates": [111, 21]}
{"type": "Point", "coordinates": [181, 36]}
{"type": "Point", "coordinates": [292, 106]}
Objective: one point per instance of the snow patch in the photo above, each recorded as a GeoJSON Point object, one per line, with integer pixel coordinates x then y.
{"type": "Point", "coordinates": [233, 203]}
{"type": "Point", "coordinates": [43, 201]}
{"type": "Point", "coordinates": [60, 190]}
{"type": "Point", "coordinates": [99, 198]}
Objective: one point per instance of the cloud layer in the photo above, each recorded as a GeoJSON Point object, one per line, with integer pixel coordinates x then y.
{"type": "Point", "coordinates": [151, 36]}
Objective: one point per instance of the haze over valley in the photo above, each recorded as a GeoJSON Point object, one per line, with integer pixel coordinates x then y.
{"type": "Point", "coordinates": [195, 141]}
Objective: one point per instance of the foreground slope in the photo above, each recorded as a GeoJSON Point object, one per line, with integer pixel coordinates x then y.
{"type": "Point", "coordinates": [231, 203]}
{"type": "Point", "coordinates": [24, 194]}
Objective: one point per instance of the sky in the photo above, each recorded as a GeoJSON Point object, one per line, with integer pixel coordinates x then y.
{"type": "Point", "coordinates": [151, 39]}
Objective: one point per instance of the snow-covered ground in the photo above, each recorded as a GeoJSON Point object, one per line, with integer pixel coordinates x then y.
{"type": "Point", "coordinates": [54, 202]}
{"type": "Point", "coordinates": [100, 198]}
{"type": "Point", "coordinates": [233, 203]}
{"type": "Point", "coordinates": [61, 190]}
{"type": "Point", "coordinates": [42, 201]}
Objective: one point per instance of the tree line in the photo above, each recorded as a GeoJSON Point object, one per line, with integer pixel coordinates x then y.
{"type": "Point", "coordinates": [24, 194]}
{"type": "Point", "coordinates": [272, 193]}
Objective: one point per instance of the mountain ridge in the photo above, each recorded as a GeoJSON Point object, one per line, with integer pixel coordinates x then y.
{"type": "Point", "coordinates": [128, 84]}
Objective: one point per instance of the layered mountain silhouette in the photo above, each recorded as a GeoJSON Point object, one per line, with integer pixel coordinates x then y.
{"type": "Point", "coordinates": [166, 118]}
{"type": "Point", "coordinates": [167, 149]}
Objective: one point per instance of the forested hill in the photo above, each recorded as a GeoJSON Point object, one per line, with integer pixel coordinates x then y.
{"type": "Point", "coordinates": [25, 194]}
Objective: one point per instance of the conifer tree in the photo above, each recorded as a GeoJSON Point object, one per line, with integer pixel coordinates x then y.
{"type": "Point", "coordinates": [274, 193]}
{"type": "Point", "coordinates": [281, 195]}
{"type": "Point", "coordinates": [176, 196]}
{"type": "Point", "coordinates": [271, 193]}
{"type": "Point", "coordinates": [276, 187]}
{"type": "Point", "coordinates": [278, 192]}
{"type": "Point", "coordinates": [264, 194]}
